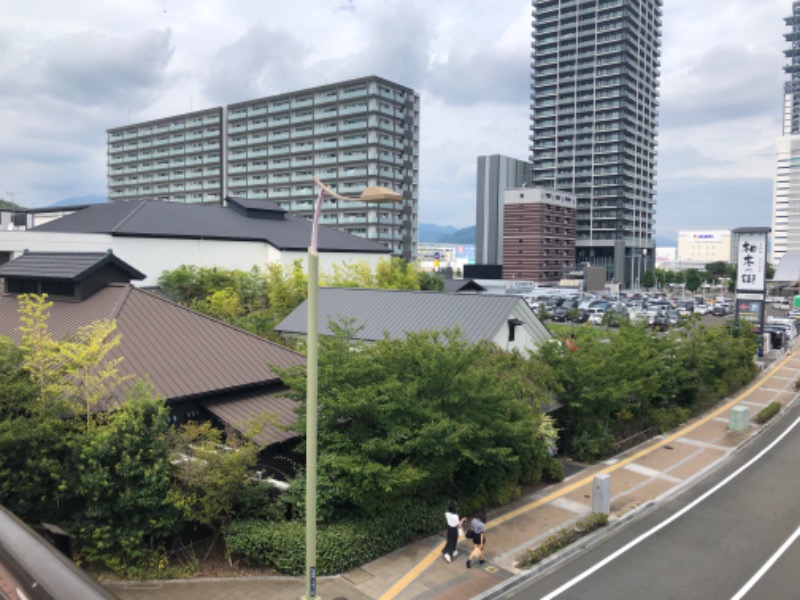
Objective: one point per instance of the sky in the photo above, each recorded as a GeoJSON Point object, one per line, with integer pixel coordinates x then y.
{"type": "Point", "coordinates": [71, 70]}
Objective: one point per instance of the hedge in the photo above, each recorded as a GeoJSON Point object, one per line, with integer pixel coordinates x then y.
{"type": "Point", "coordinates": [768, 412]}
{"type": "Point", "coordinates": [563, 538]}
{"type": "Point", "coordinates": [340, 546]}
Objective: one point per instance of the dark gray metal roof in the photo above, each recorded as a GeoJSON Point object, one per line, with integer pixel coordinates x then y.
{"type": "Point", "coordinates": [72, 266]}
{"type": "Point", "coordinates": [273, 409]}
{"type": "Point", "coordinates": [396, 313]}
{"type": "Point", "coordinates": [462, 285]}
{"type": "Point", "coordinates": [146, 218]}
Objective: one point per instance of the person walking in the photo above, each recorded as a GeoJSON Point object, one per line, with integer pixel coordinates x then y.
{"type": "Point", "coordinates": [449, 551]}
{"type": "Point", "coordinates": [478, 527]}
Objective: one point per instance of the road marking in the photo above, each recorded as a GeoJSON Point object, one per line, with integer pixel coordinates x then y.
{"type": "Point", "coordinates": [767, 566]}
{"type": "Point", "coordinates": [431, 557]}
{"type": "Point", "coordinates": [652, 473]}
{"type": "Point", "coordinates": [577, 579]}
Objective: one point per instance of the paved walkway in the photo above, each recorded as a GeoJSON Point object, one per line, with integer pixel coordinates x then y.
{"type": "Point", "coordinates": [648, 473]}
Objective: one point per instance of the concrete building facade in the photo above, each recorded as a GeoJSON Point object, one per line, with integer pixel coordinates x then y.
{"type": "Point", "coordinates": [786, 189]}
{"type": "Point", "coordinates": [538, 234]}
{"type": "Point", "coordinates": [594, 110]}
{"type": "Point", "coordinates": [496, 174]}
{"type": "Point", "coordinates": [351, 134]}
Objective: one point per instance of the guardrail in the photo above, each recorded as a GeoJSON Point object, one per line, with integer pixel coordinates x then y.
{"type": "Point", "coordinates": [33, 569]}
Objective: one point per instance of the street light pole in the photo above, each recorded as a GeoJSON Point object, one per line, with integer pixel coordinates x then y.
{"type": "Point", "coordinates": [370, 194]}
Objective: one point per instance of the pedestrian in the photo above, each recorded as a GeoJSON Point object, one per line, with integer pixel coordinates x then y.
{"type": "Point", "coordinates": [449, 551]}
{"type": "Point", "coordinates": [478, 527]}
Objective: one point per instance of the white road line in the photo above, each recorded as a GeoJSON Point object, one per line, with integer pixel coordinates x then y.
{"type": "Point", "coordinates": [576, 580]}
{"type": "Point", "coordinates": [767, 566]}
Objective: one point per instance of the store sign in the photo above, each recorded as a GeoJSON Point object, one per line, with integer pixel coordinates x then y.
{"type": "Point", "coordinates": [752, 262]}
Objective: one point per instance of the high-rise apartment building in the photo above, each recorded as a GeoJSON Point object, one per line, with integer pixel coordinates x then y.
{"type": "Point", "coordinates": [595, 74]}
{"type": "Point", "coordinates": [786, 190]}
{"type": "Point", "coordinates": [351, 135]}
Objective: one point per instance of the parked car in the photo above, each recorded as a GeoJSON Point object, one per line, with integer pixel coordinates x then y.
{"type": "Point", "coordinates": [559, 314]}
{"type": "Point", "coordinates": [673, 318]}
{"type": "Point", "coordinates": [596, 315]}
{"type": "Point", "coordinates": [721, 309]}
{"type": "Point", "coordinates": [702, 309]}
{"type": "Point", "coordinates": [660, 322]}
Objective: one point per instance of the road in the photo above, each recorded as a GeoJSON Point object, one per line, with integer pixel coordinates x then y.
{"type": "Point", "coordinates": [733, 535]}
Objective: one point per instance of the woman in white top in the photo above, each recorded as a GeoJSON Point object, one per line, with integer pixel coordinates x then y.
{"type": "Point", "coordinates": [449, 551]}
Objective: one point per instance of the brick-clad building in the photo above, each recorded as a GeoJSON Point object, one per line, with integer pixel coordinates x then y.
{"type": "Point", "coordinates": [538, 234]}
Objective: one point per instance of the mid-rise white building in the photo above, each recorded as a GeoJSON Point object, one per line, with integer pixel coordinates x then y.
{"type": "Point", "coordinates": [352, 134]}
{"type": "Point", "coordinates": [703, 247]}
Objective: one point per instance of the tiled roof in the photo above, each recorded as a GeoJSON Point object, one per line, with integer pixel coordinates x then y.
{"type": "Point", "coordinates": [396, 313]}
{"type": "Point", "coordinates": [184, 353]}
{"type": "Point", "coordinates": [63, 265]}
{"type": "Point", "coordinates": [146, 218]}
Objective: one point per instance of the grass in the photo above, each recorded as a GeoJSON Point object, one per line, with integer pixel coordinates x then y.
{"type": "Point", "coordinates": [563, 538]}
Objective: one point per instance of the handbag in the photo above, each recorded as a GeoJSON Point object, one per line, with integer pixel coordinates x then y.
{"type": "Point", "coordinates": [461, 531]}
{"type": "Point", "coordinates": [469, 534]}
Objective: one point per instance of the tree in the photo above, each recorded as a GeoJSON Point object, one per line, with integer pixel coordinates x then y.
{"type": "Point", "coordinates": [649, 279]}
{"type": "Point", "coordinates": [396, 274]}
{"type": "Point", "coordinates": [693, 280]}
{"type": "Point", "coordinates": [124, 478]}
{"type": "Point", "coordinates": [430, 281]}
{"type": "Point", "coordinates": [430, 417]}
{"type": "Point", "coordinates": [209, 476]}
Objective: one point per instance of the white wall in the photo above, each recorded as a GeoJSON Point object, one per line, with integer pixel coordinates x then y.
{"type": "Point", "coordinates": [526, 336]}
{"type": "Point", "coordinates": [152, 256]}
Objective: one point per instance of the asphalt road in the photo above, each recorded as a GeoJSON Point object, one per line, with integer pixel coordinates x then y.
{"type": "Point", "coordinates": [714, 541]}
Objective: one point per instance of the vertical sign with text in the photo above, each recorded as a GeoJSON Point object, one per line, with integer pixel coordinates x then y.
{"type": "Point", "coordinates": [751, 275]}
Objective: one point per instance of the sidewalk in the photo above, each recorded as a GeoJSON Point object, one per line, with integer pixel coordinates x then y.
{"type": "Point", "coordinates": [639, 477]}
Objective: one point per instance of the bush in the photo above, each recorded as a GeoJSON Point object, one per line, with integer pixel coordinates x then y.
{"type": "Point", "coordinates": [768, 412]}
{"type": "Point", "coordinates": [564, 537]}
{"type": "Point", "coordinates": [553, 470]}
{"type": "Point", "coordinates": [587, 447]}
{"type": "Point", "coordinates": [340, 546]}
{"type": "Point", "coordinates": [669, 418]}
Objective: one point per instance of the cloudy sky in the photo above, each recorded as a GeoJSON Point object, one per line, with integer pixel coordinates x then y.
{"type": "Point", "coordinates": [71, 70]}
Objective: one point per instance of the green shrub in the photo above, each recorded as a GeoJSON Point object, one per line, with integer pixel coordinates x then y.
{"type": "Point", "coordinates": [666, 419]}
{"type": "Point", "coordinates": [340, 546]}
{"type": "Point", "coordinates": [587, 447]}
{"type": "Point", "coordinates": [768, 412]}
{"type": "Point", "coordinates": [563, 538]}
{"type": "Point", "coordinates": [553, 470]}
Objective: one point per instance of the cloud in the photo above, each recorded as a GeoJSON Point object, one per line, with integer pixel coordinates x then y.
{"type": "Point", "coordinates": [261, 62]}
{"type": "Point", "coordinates": [723, 84]}
{"type": "Point", "coordinates": [710, 203]}
{"type": "Point", "coordinates": [87, 68]}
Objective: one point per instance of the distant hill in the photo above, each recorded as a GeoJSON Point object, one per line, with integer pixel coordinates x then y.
{"type": "Point", "coordinates": [662, 242]}
{"type": "Point", "coordinates": [80, 200]}
{"type": "Point", "coordinates": [447, 234]}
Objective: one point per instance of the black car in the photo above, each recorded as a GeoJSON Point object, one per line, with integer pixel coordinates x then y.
{"type": "Point", "coordinates": [559, 314]}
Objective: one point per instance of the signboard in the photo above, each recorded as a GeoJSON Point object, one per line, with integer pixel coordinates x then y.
{"type": "Point", "coordinates": [751, 262]}
{"type": "Point", "coordinates": [751, 311]}
{"type": "Point", "coordinates": [751, 269]}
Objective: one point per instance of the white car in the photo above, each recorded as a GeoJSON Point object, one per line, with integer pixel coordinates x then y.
{"type": "Point", "coordinates": [702, 309]}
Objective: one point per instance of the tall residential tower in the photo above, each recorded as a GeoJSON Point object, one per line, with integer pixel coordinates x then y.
{"type": "Point", "coordinates": [351, 134]}
{"type": "Point", "coordinates": [786, 191]}
{"type": "Point", "coordinates": [594, 112]}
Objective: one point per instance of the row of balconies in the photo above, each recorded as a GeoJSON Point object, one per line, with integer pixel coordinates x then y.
{"type": "Point", "coordinates": [162, 128]}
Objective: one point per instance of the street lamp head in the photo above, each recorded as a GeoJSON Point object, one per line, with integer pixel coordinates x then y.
{"type": "Point", "coordinates": [373, 193]}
